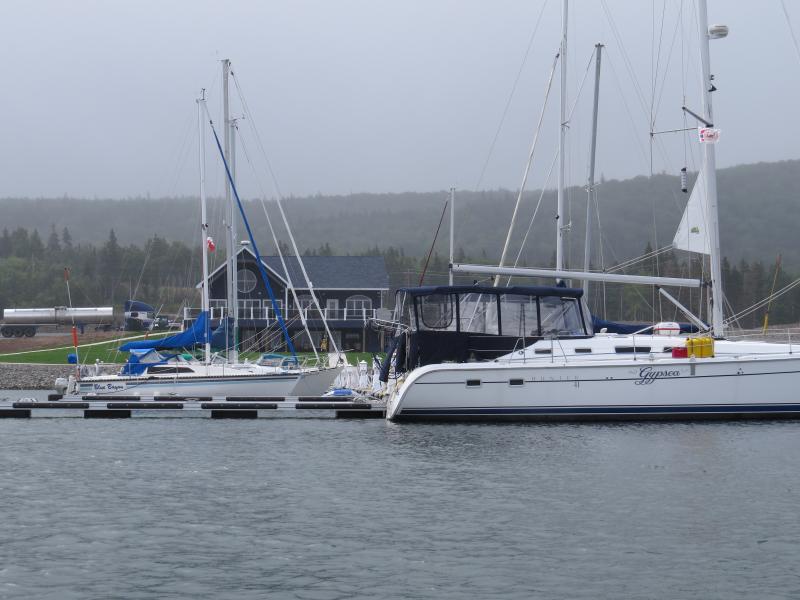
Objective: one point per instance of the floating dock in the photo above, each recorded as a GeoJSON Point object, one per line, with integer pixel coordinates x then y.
{"type": "Point", "coordinates": [233, 407]}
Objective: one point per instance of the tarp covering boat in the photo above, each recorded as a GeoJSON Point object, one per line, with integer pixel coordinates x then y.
{"type": "Point", "coordinates": [195, 335]}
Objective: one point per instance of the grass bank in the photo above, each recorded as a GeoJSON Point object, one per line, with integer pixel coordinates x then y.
{"type": "Point", "coordinates": [108, 352]}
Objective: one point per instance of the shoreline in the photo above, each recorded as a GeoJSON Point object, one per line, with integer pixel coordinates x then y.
{"type": "Point", "coordinates": [31, 376]}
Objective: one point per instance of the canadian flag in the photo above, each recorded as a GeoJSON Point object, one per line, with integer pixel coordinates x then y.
{"type": "Point", "coordinates": [210, 244]}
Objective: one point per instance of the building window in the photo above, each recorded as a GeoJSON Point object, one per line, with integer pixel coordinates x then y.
{"type": "Point", "coordinates": [356, 305]}
{"type": "Point", "coordinates": [332, 309]}
{"type": "Point", "coordinates": [245, 281]}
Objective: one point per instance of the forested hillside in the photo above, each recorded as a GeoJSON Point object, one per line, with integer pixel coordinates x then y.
{"type": "Point", "coordinates": [148, 249]}
{"type": "Point", "coordinates": [758, 205]}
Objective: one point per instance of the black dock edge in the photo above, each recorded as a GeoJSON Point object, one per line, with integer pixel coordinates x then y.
{"type": "Point", "coordinates": [239, 405]}
{"type": "Point", "coordinates": [94, 413]}
{"type": "Point", "coordinates": [15, 413]}
{"type": "Point", "coordinates": [28, 404]}
{"type": "Point", "coordinates": [325, 399]}
{"type": "Point", "coordinates": [234, 414]}
{"type": "Point", "coordinates": [100, 398]}
{"type": "Point", "coordinates": [146, 405]}
{"type": "Point", "coordinates": [331, 405]}
{"type": "Point", "coordinates": [360, 414]}
{"type": "Point", "coordinates": [254, 399]}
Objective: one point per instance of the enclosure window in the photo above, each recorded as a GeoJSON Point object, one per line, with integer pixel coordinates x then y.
{"type": "Point", "coordinates": [437, 311]}
{"type": "Point", "coordinates": [518, 315]}
{"type": "Point", "coordinates": [560, 317]}
{"type": "Point", "coordinates": [477, 313]}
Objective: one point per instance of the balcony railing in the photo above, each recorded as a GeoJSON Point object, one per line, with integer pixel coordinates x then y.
{"type": "Point", "coordinates": [267, 313]}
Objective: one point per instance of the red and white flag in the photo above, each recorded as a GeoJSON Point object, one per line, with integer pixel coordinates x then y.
{"type": "Point", "coordinates": [210, 244]}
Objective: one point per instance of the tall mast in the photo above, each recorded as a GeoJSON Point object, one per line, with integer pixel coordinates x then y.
{"type": "Point", "coordinates": [587, 249]}
{"type": "Point", "coordinates": [710, 171]}
{"type": "Point", "coordinates": [452, 224]}
{"type": "Point", "coordinates": [204, 303]}
{"type": "Point", "coordinates": [560, 226]}
{"type": "Point", "coordinates": [230, 230]}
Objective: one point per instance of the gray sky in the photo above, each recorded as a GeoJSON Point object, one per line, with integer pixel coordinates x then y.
{"type": "Point", "coordinates": [371, 95]}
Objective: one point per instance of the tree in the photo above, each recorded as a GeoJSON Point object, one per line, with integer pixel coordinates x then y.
{"type": "Point", "coordinates": [66, 239]}
{"type": "Point", "coordinates": [53, 242]}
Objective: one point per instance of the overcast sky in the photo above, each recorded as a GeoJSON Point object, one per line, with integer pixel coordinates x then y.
{"type": "Point", "coordinates": [373, 95]}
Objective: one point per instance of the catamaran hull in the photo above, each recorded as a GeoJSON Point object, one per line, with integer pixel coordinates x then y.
{"type": "Point", "coordinates": [640, 390]}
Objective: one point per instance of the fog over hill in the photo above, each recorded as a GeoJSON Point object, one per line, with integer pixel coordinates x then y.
{"type": "Point", "coordinates": [758, 206]}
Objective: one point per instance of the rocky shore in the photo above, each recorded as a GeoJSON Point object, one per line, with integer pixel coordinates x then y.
{"type": "Point", "coordinates": [18, 376]}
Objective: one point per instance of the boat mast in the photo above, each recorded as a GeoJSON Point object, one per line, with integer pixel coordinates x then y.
{"type": "Point", "coordinates": [587, 248]}
{"type": "Point", "coordinates": [452, 224]}
{"type": "Point", "coordinates": [560, 227]}
{"type": "Point", "coordinates": [204, 302]}
{"type": "Point", "coordinates": [231, 242]}
{"type": "Point", "coordinates": [710, 168]}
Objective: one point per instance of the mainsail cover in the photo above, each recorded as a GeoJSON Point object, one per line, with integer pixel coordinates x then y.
{"type": "Point", "coordinates": [692, 234]}
{"type": "Point", "coordinates": [195, 335]}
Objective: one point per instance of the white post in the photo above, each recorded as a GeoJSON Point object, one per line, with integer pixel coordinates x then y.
{"type": "Point", "coordinates": [560, 226]}
{"type": "Point", "coordinates": [203, 219]}
{"type": "Point", "coordinates": [711, 178]}
{"type": "Point", "coordinates": [587, 249]}
{"type": "Point", "coordinates": [452, 224]}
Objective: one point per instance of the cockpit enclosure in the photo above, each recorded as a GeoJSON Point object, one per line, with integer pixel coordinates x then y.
{"type": "Point", "coordinates": [474, 323]}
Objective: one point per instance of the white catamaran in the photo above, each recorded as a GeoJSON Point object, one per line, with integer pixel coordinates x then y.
{"type": "Point", "coordinates": [522, 352]}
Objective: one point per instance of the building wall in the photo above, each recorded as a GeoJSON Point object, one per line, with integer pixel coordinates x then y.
{"type": "Point", "coordinates": [349, 334]}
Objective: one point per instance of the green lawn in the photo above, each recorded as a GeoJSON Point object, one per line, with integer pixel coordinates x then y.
{"type": "Point", "coordinates": [108, 352]}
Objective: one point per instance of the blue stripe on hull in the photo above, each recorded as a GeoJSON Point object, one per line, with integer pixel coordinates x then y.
{"type": "Point", "coordinates": [553, 412]}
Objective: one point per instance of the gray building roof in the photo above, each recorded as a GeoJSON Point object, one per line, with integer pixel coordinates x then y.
{"type": "Point", "coordinates": [327, 272]}
{"type": "Point", "coordinates": [330, 272]}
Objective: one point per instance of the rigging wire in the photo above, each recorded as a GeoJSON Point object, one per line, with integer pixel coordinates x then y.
{"type": "Point", "coordinates": [251, 122]}
{"type": "Point", "coordinates": [511, 96]}
{"type": "Point", "coordinates": [552, 165]}
{"type": "Point", "coordinates": [791, 29]}
{"type": "Point", "coordinates": [530, 160]}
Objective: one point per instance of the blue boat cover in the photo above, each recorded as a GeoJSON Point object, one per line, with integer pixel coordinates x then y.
{"type": "Point", "coordinates": [628, 328]}
{"type": "Point", "coordinates": [135, 305]}
{"type": "Point", "coordinates": [196, 334]}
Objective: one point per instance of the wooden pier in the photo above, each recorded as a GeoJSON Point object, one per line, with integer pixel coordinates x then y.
{"type": "Point", "coordinates": [233, 407]}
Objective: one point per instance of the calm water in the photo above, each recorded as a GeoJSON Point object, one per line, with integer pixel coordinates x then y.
{"type": "Point", "coordinates": [192, 508]}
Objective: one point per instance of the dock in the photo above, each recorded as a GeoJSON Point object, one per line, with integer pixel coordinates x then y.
{"type": "Point", "coordinates": [232, 407]}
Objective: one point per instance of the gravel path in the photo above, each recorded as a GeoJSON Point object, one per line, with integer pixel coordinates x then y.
{"type": "Point", "coordinates": [17, 376]}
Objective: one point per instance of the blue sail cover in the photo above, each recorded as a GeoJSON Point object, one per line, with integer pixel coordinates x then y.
{"type": "Point", "coordinates": [195, 335]}
{"type": "Point", "coordinates": [628, 329]}
{"type": "Point", "coordinates": [135, 305]}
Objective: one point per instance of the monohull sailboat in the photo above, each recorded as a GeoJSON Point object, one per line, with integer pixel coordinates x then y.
{"type": "Point", "coordinates": [536, 352]}
{"type": "Point", "coordinates": [159, 368]}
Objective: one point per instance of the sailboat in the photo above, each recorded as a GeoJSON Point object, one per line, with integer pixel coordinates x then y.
{"type": "Point", "coordinates": [158, 367]}
{"type": "Point", "coordinates": [525, 352]}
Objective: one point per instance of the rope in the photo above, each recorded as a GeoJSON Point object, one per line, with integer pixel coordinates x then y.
{"type": "Point", "coordinates": [433, 243]}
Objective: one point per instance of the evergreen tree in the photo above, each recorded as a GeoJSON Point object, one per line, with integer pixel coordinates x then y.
{"type": "Point", "coordinates": [53, 242]}
{"type": "Point", "coordinates": [66, 239]}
